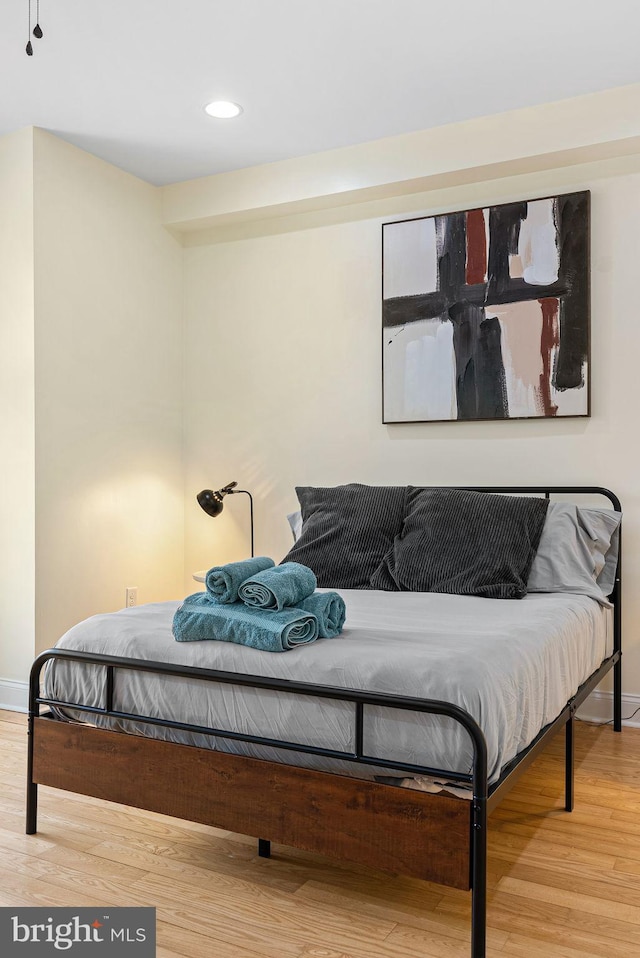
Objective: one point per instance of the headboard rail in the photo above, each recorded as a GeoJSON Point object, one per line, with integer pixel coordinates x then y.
{"type": "Point", "coordinates": [548, 491]}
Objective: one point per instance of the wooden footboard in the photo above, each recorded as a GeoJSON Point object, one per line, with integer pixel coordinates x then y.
{"type": "Point", "coordinates": [398, 830]}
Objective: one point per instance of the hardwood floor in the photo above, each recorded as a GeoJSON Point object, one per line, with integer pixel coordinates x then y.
{"type": "Point", "coordinates": [560, 886]}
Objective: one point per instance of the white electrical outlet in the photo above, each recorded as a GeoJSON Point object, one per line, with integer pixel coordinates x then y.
{"type": "Point", "coordinates": [132, 596]}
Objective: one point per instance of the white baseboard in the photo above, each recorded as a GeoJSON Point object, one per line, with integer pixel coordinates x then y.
{"type": "Point", "coordinates": [14, 695]}
{"type": "Point", "coordinates": [599, 708]}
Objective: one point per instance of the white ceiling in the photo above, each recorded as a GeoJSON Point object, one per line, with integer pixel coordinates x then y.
{"type": "Point", "coordinates": [128, 79]}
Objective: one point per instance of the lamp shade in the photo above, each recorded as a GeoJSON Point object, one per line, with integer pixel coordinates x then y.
{"type": "Point", "coordinates": [211, 502]}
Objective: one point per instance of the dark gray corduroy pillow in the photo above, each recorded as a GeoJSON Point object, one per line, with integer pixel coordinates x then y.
{"type": "Point", "coordinates": [346, 531]}
{"type": "Point", "coordinates": [463, 542]}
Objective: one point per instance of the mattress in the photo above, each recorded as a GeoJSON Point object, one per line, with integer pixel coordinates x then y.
{"type": "Point", "coordinates": [512, 664]}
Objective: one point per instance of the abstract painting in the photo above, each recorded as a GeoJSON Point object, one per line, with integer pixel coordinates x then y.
{"type": "Point", "coordinates": [485, 313]}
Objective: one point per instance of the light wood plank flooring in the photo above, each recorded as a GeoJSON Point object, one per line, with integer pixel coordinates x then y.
{"type": "Point", "coordinates": [560, 886]}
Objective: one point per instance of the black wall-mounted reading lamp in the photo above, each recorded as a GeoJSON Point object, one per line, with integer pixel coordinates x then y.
{"type": "Point", "coordinates": [212, 503]}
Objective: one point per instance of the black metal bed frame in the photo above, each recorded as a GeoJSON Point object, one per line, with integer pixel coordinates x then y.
{"type": "Point", "coordinates": [484, 797]}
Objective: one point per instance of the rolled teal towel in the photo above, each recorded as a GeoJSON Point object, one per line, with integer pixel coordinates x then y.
{"type": "Point", "coordinates": [223, 581]}
{"type": "Point", "coordinates": [284, 585]}
{"type": "Point", "coordinates": [330, 611]}
{"type": "Point", "coordinates": [201, 617]}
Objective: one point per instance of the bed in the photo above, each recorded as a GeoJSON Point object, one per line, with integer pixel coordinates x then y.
{"type": "Point", "coordinates": [424, 690]}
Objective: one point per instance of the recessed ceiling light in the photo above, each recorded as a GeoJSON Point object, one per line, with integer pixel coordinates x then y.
{"type": "Point", "coordinates": [223, 109]}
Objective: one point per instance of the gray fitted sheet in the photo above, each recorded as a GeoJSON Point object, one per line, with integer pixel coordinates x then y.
{"type": "Point", "coordinates": [512, 664]}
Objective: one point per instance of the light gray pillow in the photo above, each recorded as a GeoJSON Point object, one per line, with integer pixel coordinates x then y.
{"type": "Point", "coordinates": [295, 522]}
{"type": "Point", "coordinates": [607, 578]}
{"type": "Point", "coordinates": [578, 551]}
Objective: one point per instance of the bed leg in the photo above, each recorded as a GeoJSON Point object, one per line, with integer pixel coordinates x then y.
{"type": "Point", "coordinates": [479, 880]}
{"type": "Point", "coordinates": [617, 696]}
{"type": "Point", "coordinates": [32, 787]}
{"type": "Point", "coordinates": [32, 808]}
{"type": "Point", "coordinates": [568, 765]}
{"type": "Point", "coordinates": [264, 848]}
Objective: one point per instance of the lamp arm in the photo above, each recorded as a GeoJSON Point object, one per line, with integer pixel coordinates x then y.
{"type": "Point", "coordinates": [233, 492]}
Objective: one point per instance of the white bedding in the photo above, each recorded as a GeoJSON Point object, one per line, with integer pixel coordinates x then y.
{"type": "Point", "coordinates": [513, 664]}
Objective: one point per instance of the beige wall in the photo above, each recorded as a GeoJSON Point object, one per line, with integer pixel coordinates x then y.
{"type": "Point", "coordinates": [284, 385]}
{"type": "Point", "coordinates": [108, 365]}
{"type": "Point", "coordinates": [16, 408]}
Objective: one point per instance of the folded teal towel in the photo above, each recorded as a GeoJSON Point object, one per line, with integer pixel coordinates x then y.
{"type": "Point", "coordinates": [330, 611]}
{"type": "Point", "coordinates": [284, 585]}
{"type": "Point", "coordinates": [223, 581]}
{"type": "Point", "coordinates": [201, 617]}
